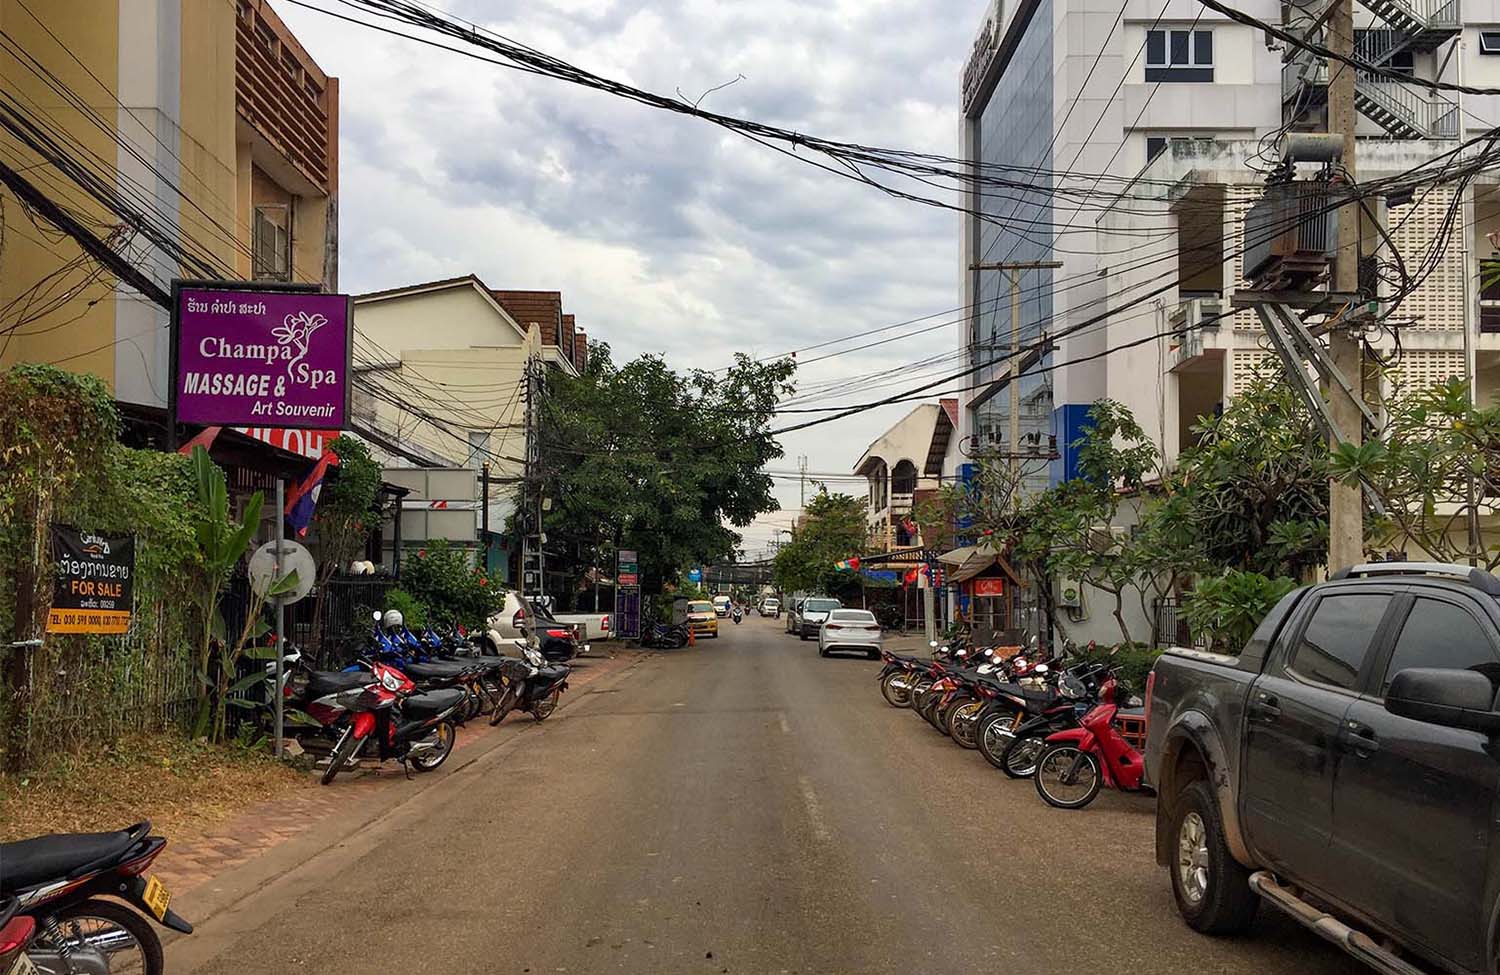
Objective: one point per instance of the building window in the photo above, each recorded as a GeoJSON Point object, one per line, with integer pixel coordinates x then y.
{"type": "Point", "coordinates": [1489, 294]}
{"type": "Point", "coordinates": [479, 448]}
{"type": "Point", "coordinates": [246, 13]}
{"type": "Point", "coordinates": [291, 65]}
{"type": "Point", "coordinates": [1489, 42]}
{"type": "Point", "coordinates": [267, 37]}
{"type": "Point", "coordinates": [1379, 47]}
{"type": "Point", "coordinates": [271, 243]}
{"type": "Point", "coordinates": [1179, 55]}
{"type": "Point", "coordinates": [1157, 144]}
{"type": "Point", "coordinates": [313, 89]}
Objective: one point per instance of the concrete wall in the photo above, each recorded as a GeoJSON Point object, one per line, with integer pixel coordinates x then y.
{"type": "Point", "coordinates": [467, 356]}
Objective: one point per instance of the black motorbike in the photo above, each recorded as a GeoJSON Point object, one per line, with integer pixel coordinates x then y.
{"type": "Point", "coordinates": [532, 684]}
{"type": "Point", "coordinates": [62, 881]}
{"type": "Point", "coordinates": [658, 635]}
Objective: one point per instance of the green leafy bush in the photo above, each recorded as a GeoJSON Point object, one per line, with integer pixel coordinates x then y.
{"type": "Point", "coordinates": [448, 585]}
{"type": "Point", "coordinates": [403, 602]}
{"type": "Point", "coordinates": [1226, 609]}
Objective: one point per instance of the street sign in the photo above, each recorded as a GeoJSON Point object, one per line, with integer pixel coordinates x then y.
{"type": "Point", "coordinates": [294, 558]}
{"type": "Point", "coordinates": [627, 595]}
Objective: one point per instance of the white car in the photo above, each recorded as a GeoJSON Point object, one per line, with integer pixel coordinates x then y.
{"type": "Point", "coordinates": [850, 629]}
{"type": "Point", "coordinates": [770, 607]}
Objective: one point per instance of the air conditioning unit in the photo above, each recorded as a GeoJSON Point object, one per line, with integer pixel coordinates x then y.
{"type": "Point", "coordinates": [1290, 236]}
{"type": "Point", "coordinates": [1069, 593]}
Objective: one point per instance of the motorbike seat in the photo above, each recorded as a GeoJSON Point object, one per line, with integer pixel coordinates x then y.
{"type": "Point", "coordinates": [429, 704]}
{"type": "Point", "coordinates": [435, 670]}
{"type": "Point", "coordinates": [550, 672]}
{"type": "Point", "coordinates": [325, 682]}
{"type": "Point", "coordinates": [27, 863]}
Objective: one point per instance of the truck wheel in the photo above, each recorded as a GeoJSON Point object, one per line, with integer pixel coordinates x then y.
{"type": "Point", "coordinates": [1212, 889]}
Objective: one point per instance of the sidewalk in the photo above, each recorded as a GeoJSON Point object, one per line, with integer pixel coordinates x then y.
{"type": "Point", "coordinates": [267, 825]}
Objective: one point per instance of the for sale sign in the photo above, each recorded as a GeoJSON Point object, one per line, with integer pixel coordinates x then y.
{"type": "Point", "coordinates": [95, 573]}
{"type": "Point", "coordinates": [249, 357]}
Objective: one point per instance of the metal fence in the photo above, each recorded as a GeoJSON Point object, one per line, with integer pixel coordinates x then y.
{"type": "Point", "coordinates": [346, 602]}
{"type": "Point", "coordinates": [1168, 624]}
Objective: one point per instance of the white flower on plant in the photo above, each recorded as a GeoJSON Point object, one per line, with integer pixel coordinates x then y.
{"type": "Point", "coordinates": [296, 329]}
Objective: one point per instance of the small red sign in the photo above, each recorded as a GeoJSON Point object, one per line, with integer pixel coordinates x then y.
{"type": "Point", "coordinates": [989, 587]}
{"type": "Point", "coordinates": [629, 579]}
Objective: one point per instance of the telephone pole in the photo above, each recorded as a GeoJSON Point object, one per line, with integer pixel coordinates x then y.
{"type": "Point", "coordinates": [802, 481]}
{"type": "Point", "coordinates": [1015, 268]}
{"type": "Point", "coordinates": [1345, 504]}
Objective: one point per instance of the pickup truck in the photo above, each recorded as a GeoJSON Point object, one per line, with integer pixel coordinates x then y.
{"type": "Point", "coordinates": [1344, 767]}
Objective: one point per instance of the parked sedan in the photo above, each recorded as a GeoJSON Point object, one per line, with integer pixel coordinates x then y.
{"type": "Point", "coordinates": [850, 629]}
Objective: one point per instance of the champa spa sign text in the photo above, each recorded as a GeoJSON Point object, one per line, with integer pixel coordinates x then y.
{"type": "Point", "coordinates": [262, 358]}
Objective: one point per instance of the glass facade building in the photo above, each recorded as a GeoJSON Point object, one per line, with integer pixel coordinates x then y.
{"type": "Point", "coordinates": [1012, 136]}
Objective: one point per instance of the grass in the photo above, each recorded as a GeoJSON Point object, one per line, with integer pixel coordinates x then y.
{"type": "Point", "coordinates": [184, 787]}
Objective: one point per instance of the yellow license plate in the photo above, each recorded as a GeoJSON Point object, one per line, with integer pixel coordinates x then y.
{"type": "Point", "coordinates": [24, 966]}
{"type": "Point", "coordinates": [156, 897]}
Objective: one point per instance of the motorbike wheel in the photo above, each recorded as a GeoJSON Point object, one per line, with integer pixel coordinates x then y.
{"type": "Point", "coordinates": [942, 714]}
{"type": "Point", "coordinates": [679, 640]}
{"type": "Point", "coordinates": [896, 689]}
{"type": "Point", "coordinates": [963, 723]}
{"type": "Point", "coordinates": [1067, 777]}
{"type": "Point", "coordinates": [447, 735]}
{"type": "Point", "coordinates": [342, 752]}
{"type": "Point", "coordinates": [100, 924]}
{"type": "Point", "coordinates": [1018, 761]}
{"type": "Point", "coordinates": [507, 703]}
{"type": "Point", "coordinates": [546, 706]}
{"type": "Point", "coordinates": [994, 734]}
{"type": "Point", "coordinates": [929, 707]}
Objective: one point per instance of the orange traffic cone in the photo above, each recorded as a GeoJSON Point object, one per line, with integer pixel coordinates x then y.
{"type": "Point", "coordinates": [692, 638]}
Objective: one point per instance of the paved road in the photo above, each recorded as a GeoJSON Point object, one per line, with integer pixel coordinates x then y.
{"type": "Point", "coordinates": [743, 806]}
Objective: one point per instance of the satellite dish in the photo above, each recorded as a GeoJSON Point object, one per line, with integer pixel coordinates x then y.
{"type": "Point", "coordinates": [294, 558]}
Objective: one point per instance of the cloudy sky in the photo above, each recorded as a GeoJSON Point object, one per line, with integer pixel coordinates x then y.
{"type": "Point", "coordinates": [666, 234]}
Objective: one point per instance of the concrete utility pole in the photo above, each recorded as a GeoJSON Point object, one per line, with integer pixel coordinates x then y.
{"type": "Point", "coordinates": [802, 481]}
{"type": "Point", "coordinates": [1345, 508]}
{"type": "Point", "coordinates": [1015, 268]}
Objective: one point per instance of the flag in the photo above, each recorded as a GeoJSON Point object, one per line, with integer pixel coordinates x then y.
{"type": "Point", "coordinates": [204, 439]}
{"type": "Point", "coordinates": [303, 497]}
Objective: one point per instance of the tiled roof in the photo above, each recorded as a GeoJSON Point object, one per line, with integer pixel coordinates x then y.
{"type": "Point", "coordinates": [542, 307]}
{"type": "Point", "coordinates": [566, 342]}
{"type": "Point", "coordinates": [581, 351]}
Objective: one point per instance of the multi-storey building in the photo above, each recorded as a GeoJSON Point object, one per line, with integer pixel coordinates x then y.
{"type": "Point", "coordinates": [1173, 111]}
{"type": "Point", "coordinates": [209, 119]}
{"type": "Point", "coordinates": [903, 466]}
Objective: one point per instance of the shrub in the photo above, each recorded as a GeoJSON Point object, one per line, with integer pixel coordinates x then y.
{"type": "Point", "coordinates": [1225, 610]}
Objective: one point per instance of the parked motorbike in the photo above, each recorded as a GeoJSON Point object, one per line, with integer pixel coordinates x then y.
{"type": "Point", "coordinates": [536, 686]}
{"type": "Point", "coordinates": [1077, 693]}
{"type": "Point", "coordinates": [60, 917]}
{"type": "Point", "coordinates": [658, 635]}
{"type": "Point", "coordinates": [1078, 762]}
{"type": "Point", "coordinates": [415, 728]}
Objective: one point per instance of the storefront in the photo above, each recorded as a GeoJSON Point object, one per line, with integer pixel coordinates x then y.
{"type": "Point", "coordinates": [989, 596]}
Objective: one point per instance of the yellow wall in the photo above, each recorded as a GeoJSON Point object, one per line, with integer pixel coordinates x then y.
{"type": "Point", "coordinates": [77, 335]}
{"type": "Point", "coordinates": [207, 144]}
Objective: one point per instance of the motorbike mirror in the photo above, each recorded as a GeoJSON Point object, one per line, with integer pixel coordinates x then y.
{"type": "Point", "coordinates": [1042, 668]}
{"type": "Point", "coordinates": [932, 643]}
{"type": "Point", "coordinates": [375, 616]}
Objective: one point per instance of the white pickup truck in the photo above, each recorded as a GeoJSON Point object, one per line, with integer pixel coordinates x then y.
{"type": "Point", "coordinates": [592, 626]}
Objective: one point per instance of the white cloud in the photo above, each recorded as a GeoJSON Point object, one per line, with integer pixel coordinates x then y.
{"type": "Point", "coordinates": [664, 233]}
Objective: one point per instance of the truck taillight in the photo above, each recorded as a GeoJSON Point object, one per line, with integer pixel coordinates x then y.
{"type": "Point", "coordinates": [518, 620]}
{"type": "Point", "coordinates": [560, 634]}
{"type": "Point", "coordinates": [606, 624]}
{"type": "Point", "coordinates": [1150, 687]}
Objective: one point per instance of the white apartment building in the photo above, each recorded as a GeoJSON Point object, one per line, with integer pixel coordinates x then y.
{"type": "Point", "coordinates": [1171, 105]}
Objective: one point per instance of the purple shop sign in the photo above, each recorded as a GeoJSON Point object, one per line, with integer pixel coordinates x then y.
{"type": "Point", "coordinates": [257, 358]}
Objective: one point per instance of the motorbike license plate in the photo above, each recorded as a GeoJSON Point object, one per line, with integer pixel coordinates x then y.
{"type": "Point", "coordinates": [156, 897]}
{"type": "Point", "coordinates": [24, 966]}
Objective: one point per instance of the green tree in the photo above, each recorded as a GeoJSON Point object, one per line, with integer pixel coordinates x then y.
{"type": "Point", "coordinates": [449, 587]}
{"type": "Point", "coordinates": [1437, 469]}
{"type": "Point", "coordinates": [345, 512]}
{"type": "Point", "coordinates": [835, 530]}
{"type": "Point", "coordinates": [662, 462]}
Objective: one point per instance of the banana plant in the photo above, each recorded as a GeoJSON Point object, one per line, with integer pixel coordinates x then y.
{"type": "Point", "coordinates": [221, 543]}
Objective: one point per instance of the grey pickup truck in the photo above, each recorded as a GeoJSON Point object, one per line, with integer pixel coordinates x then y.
{"type": "Point", "coordinates": [1344, 767]}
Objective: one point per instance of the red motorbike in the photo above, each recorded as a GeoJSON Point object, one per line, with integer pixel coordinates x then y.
{"type": "Point", "coordinates": [417, 729]}
{"type": "Point", "coordinates": [1078, 762]}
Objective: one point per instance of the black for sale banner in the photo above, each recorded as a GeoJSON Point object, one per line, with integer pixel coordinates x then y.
{"type": "Point", "coordinates": [94, 577]}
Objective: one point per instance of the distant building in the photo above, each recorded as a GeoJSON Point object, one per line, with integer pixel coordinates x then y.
{"type": "Point", "coordinates": [903, 466]}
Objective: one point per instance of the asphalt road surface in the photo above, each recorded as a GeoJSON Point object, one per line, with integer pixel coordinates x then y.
{"type": "Point", "coordinates": [742, 806]}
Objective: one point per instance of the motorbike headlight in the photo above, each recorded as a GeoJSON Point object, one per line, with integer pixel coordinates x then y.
{"type": "Point", "coordinates": [390, 682]}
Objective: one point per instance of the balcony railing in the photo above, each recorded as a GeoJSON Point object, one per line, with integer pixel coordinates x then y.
{"type": "Point", "coordinates": [901, 503]}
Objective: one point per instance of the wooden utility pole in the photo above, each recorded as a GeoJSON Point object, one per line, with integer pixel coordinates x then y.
{"type": "Point", "coordinates": [1013, 446]}
{"type": "Point", "coordinates": [1345, 504]}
